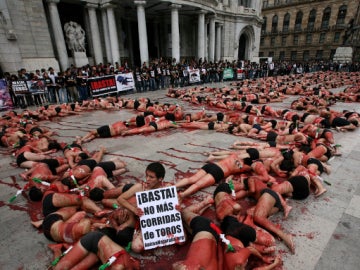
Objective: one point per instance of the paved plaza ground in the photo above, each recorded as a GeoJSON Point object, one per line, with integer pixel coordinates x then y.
{"type": "Point", "coordinates": [326, 230]}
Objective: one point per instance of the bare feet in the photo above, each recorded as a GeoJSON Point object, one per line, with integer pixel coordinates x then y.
{"type": "Point", "coordinates": [320, 191]}
{"type": "Point", "coordinates": [287, 210]}
{"type": "Point", "coordinates": [289, 242]}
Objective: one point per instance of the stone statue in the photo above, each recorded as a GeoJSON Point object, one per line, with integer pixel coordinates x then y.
{"type": "Point", "coordinates": [75, 37]}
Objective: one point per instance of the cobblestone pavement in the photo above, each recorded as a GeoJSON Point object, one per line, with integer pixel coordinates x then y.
{"type": "Point", "coordinates": [326, 230]}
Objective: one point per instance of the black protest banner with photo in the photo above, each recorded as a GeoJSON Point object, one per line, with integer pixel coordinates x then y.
{"type": "Point", "coordinates": [101, 86]}
{"type": "Point", "coordinates": [20, 87]}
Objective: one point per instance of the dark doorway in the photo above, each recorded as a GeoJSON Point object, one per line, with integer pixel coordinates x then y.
{"type": "Point", "coordinates": [242, 47]}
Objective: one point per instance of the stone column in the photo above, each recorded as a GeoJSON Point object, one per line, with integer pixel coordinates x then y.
{"type": "Point", "coordinates": [143, 40]}
{"type": "Point", "coordinates": [212, 39]}
{"type": "Point", "coordinates": [201, 35]}
{"type": "Point", "coordinates": [58, 34]}
{"type": "Point", "coordinates": [113, 36]}
{"type": "Point", "coordinates": [218, 42]}
{"type": "Point", "coordinates": [95, 34]}
{"type": "Point", "coordinates": [106, 35]}
{"type": "Point", "coordinates": [175, 35]}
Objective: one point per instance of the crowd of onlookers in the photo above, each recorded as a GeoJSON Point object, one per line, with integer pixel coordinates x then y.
{"type": "Point", "coordinates": [49, 86]}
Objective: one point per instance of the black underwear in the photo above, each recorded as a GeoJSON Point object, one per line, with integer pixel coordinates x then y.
{"type": "Point", "coordinates": [222, 187]}
{"type": "Point", "coordinates": [153, 124]}
{"type": "Point", "coordinates": [47, 205]}
{"type": "Point", "coordinates": [108, 167]}
{"type": "Point", "coordinates": [20, 159]}
{"type": "Point", "coordinates": [91, 163]}
{"type": "Point", "coordinates": [300, 187]}
{"type": "Point", "coordinates": [123, 237]}
{"type": "Point", "coordinates": [214, 170]}
{"type": "Point", "coordinates": [202, 224]}
{"type": "Point", "coordinates": [48, 222]}
{"type": "Point", "coordinates": [104, 132]}
{"type": "Point", "coordinates": [211, 125]}
{"type": "Point", "coordinates": [91, 240]}
{"type": "Point", "coordinates": [52, 164]}
{"type": "Point", "coordinates": [275, 196]}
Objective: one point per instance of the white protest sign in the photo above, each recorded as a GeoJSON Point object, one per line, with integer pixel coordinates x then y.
{"type": "Point", "coordinates": [161, 224]}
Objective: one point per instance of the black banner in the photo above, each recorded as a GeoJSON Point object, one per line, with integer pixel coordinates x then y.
{"type": "Point", "coordinates": [20, 87]}
{"type": "Point", "coordinates": [100, 86]}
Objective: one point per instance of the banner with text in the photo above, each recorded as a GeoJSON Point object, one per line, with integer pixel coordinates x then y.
{"type": "Point", "coordinates": [228, 74]}
{"type": "Point", "coordinates": [125, 81]}
{"type": "Point", "coordinates": [20, 87]}
{"type": "Point", "coordinates": [161, 224]}
{"type": "Point", "coordinates": [194, 76]}
{"type": "Point", "coordinates": [100, 86]}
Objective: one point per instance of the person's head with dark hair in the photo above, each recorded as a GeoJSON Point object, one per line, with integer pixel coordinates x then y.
{"type": "Point", "coordinates": [170, 116]}
{"type": "Point", "coordinates": [157, 168]}
{"type": "Point", "coordinates": [67, 181]}
{"type": "Point", "coordinates": [287, 165]}
{"type": "Point", "coordinates": [96, 194]}
{"type": "Point", "coordinates": [148, 113]}
{"type": "Point", "coordinates": [325, 123]}
{"type": "Point", "coordinates": [231, 128]}
{"type": "Point", "coordinates": [35, 194]}
{"type": "Point", "coordinates": [54, 145]}
{"type": "Point", "coordinates": [354, 122]}
{"type": "Point", "coordinates": [83, 155]}
{"type": "Point", "coordinates": [140, 120]}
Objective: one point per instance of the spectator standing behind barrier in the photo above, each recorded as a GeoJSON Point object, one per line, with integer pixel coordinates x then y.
{"type": "Point", "coordinates": [51, 87]}
{"type": "Point", "coordinates": [60, 82]}
{"type": "Point", "coordinates": [70, 82]}
{"type": "Point", "coordinates": [81, 85]}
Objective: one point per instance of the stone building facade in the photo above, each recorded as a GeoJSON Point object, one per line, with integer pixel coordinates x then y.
{"type": "Point", "coordinates": [306, 30]}
{"type": "Point", "coordinates": [32, 33]}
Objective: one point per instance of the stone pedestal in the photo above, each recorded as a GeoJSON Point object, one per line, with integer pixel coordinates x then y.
{"type": "Point", "coordinates": [343, 55]}
{"type": "Point", "coordinates": [80, 59]}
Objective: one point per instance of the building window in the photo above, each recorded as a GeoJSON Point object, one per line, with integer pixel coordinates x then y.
{"type": "Point", "coordinates": [282, 55]}
{"type": "Point", "coordinates": [308, 38]}
{"type": "Point", "coordinates": [261, 54]}
{"type": "Point", "coordinates": [322, 38]}
{"type": "Point", "coordinates": [319, 55]}
{"type": "Point", "coordinates": [262, 41]}
{"type": "Point", "coordinates": [296, 40]}
{"type": "Point", "coordinates": [312, 18]}
{"type": "Point", "coordinates": [272, 41]}
{"type": "Point", "coordinates": [245, 3]}
{"type": "Point", "coordinates": [263, 26]}
{"type": "Point", "coordinates": [286, 22]}
{"type": "Point", "coordinates": [265, 4]}
{"type": "Point", "coordinates": [293, 55]}
{"type": "Point", "coordinates": [274, 24]}
{"type": "Point", "coordinates": [298, 21]}
{"type": "Point", "coordinates": [271, 54]}
{"type": "Point", "coordinates": [283, 40]}
{"type": "Point", "coordinates": [306, 55]}
{"type": "Point", "coordinates": [341, 15]}
{"type": "Point", "coordinates": [326, 18]}
{"type": "Point", "coordinates": [337, 37]}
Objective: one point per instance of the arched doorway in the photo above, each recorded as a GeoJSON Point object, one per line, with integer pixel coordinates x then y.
{"type": "Point", "coordinates": [242, 47]}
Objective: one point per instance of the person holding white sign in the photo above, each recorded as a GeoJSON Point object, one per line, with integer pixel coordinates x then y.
{"type": "Point", "coordinates": [155, 173]}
